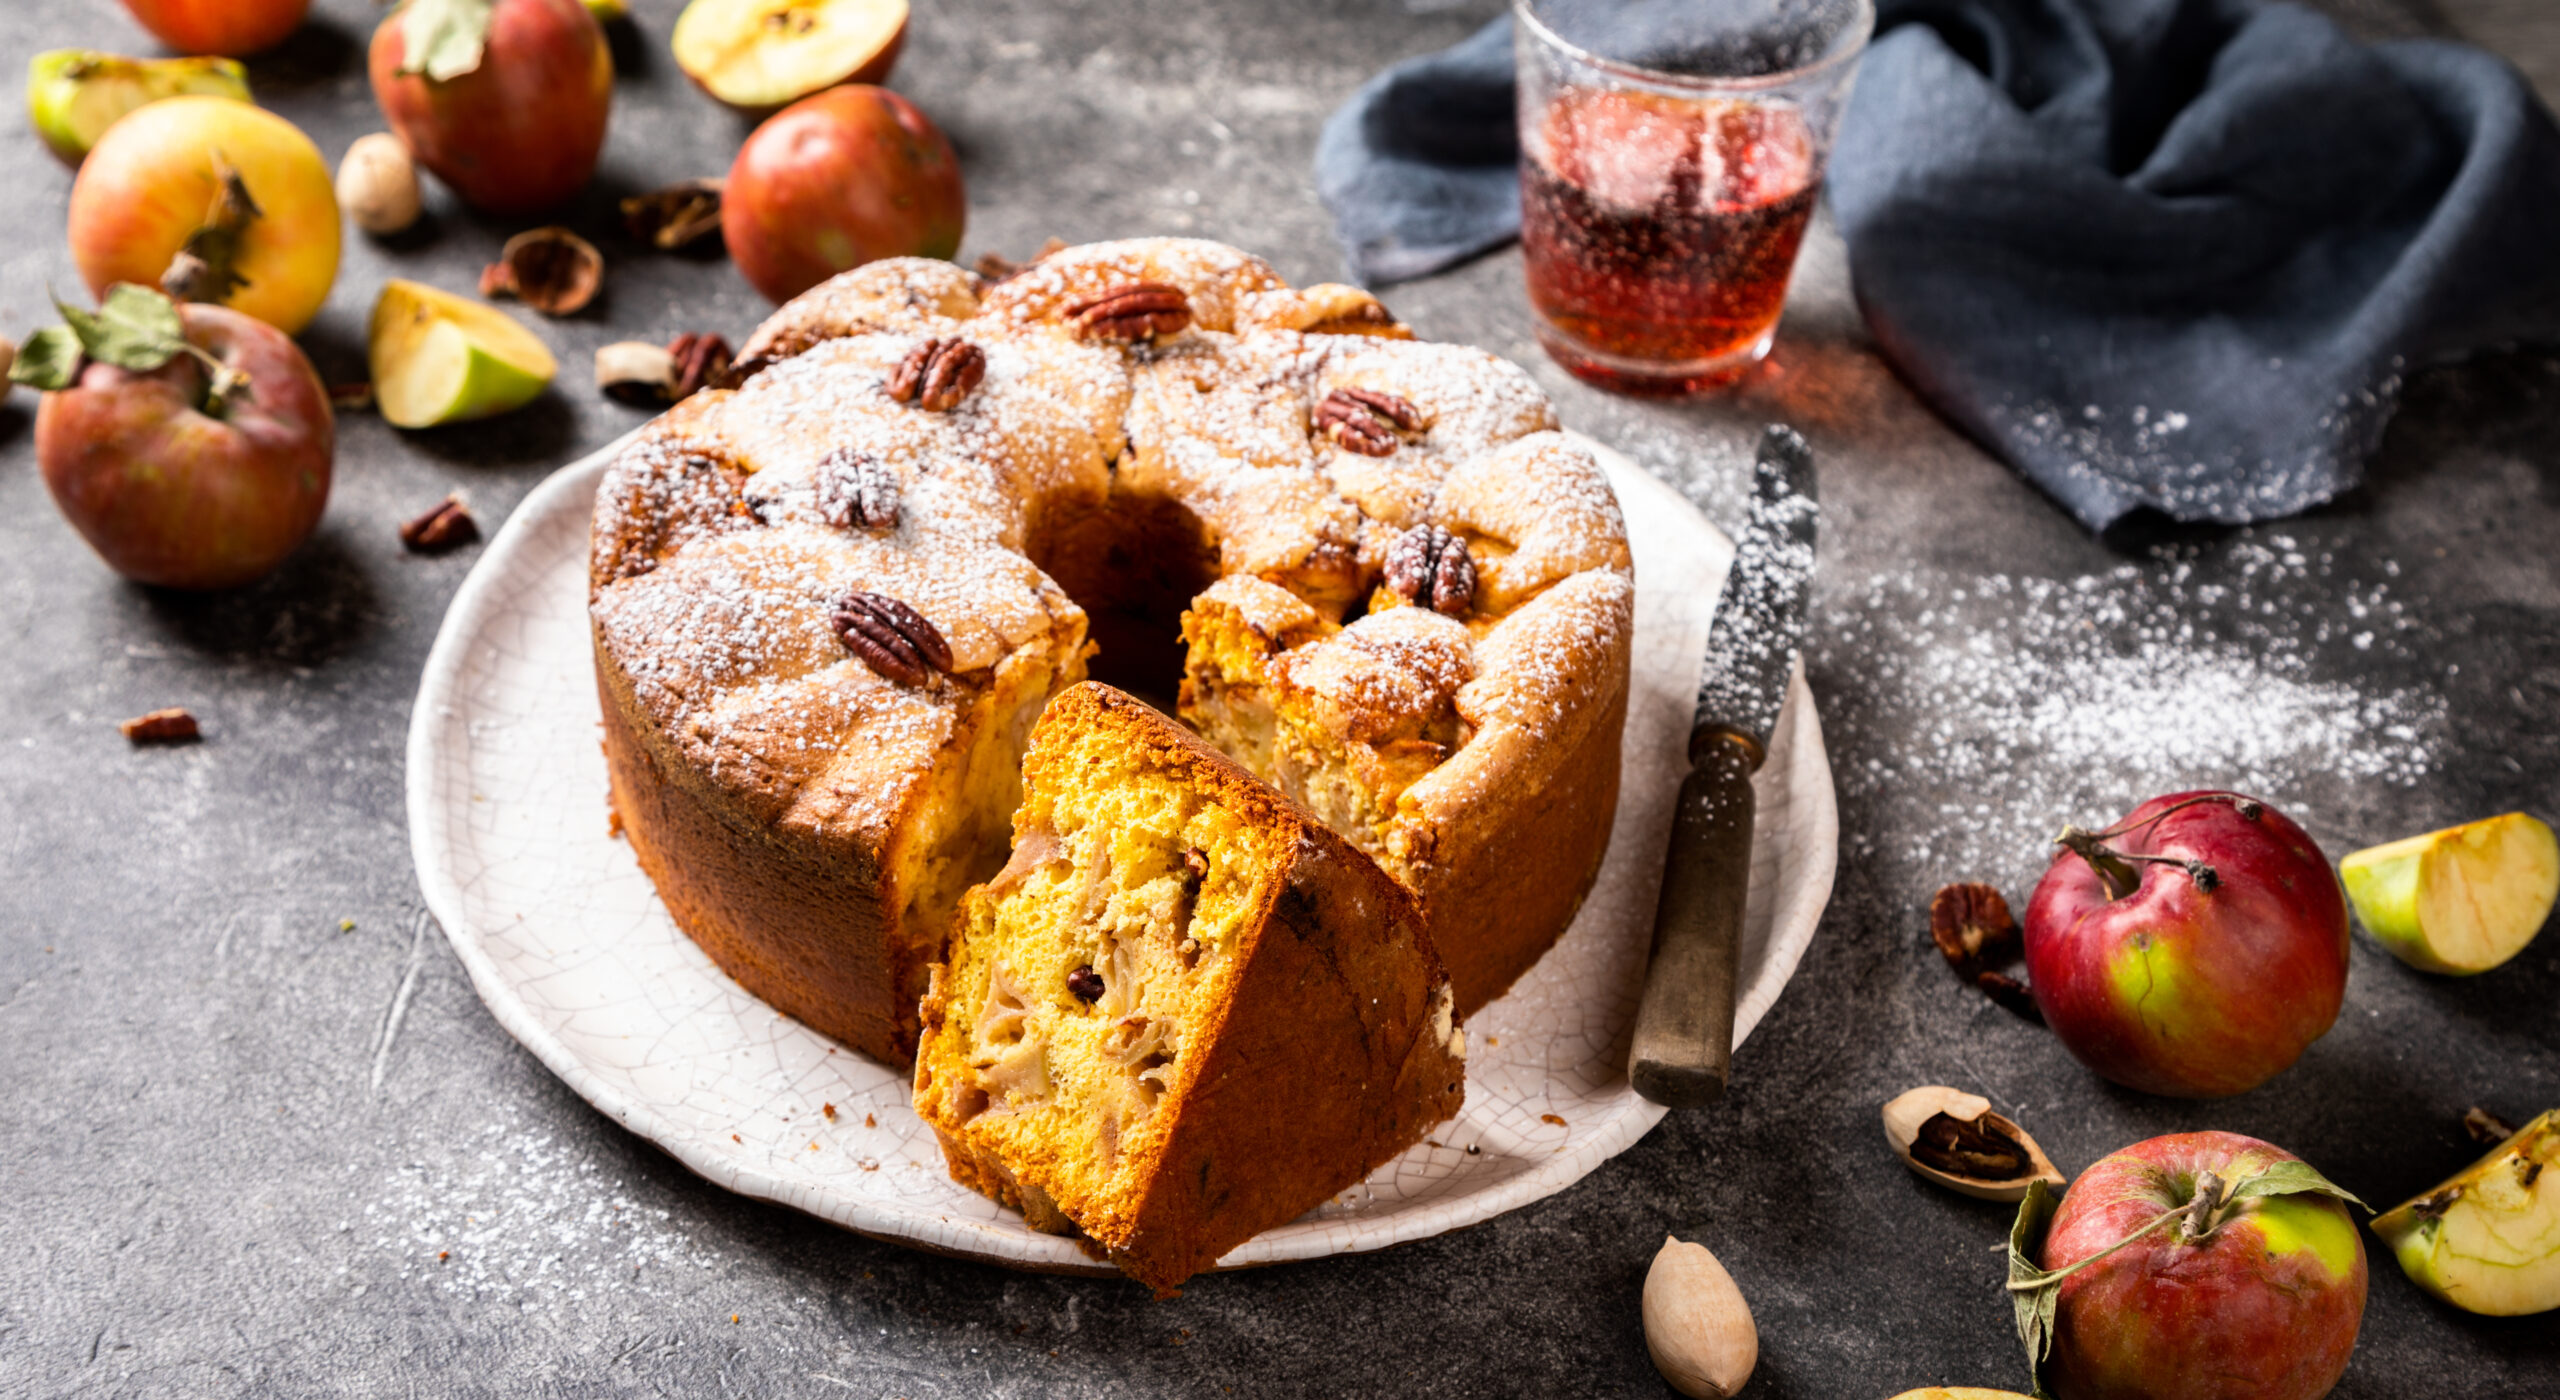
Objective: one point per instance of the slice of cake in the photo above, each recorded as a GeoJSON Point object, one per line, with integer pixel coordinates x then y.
{"type": "Point", "coordinates": [1185, 1011]}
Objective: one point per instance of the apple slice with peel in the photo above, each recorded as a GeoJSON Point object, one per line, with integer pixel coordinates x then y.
{"type": "Point", "coordinates": [2460, 900]}
{"type": "Point", "coordinates": [441, 358]}
{"type": "Point", "coordinates": [2488, 1240]}
{"type": "Point", "coordinates": [757, 55]}
{"type": "Point", "coordinates": [1958, 1392]}
{"type": "Point", "coordinates": [74, 95]}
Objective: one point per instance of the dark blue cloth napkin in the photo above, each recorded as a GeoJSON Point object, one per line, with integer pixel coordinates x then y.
{"type": "Point", "coordinates": [2163, 254]}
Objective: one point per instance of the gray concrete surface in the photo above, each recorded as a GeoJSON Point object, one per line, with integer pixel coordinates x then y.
{"type": "Point", "coordinates": [205, 1191]}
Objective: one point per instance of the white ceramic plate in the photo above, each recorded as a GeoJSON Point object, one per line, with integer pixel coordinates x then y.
{"type": "Point", "coordinates": [567, 943]}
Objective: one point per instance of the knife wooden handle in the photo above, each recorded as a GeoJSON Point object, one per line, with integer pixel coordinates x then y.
{"type": "Point", "coordinates": [1684, 1026]}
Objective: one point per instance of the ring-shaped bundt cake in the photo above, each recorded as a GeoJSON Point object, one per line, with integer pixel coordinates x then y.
{"type": "Point", "coordinates": [830, 603]}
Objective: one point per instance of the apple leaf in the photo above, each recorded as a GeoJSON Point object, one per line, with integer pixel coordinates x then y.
{"type": "Point", "coordinates": [2289, 1179]}
{"type": "Point", "coordinates": [135, 328]}
{"type": "Point", "coordinates": [2035, 1293]}
{"type": "Point", "coordinates": [443, 38]}
{"type": "Point", "coordinates": [49, 360]}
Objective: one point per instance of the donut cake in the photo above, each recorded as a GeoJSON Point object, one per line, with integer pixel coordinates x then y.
{"type": "Point", "coordinates": [830, 603]}
{"type": "Point", "coordinates": [1185, 1011]}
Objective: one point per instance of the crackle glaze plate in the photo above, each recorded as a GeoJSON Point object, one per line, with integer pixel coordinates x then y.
{"type": "Point", "coordinates": [568, 945]}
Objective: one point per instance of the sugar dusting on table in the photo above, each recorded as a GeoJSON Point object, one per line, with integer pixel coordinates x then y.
{"type": "Point", "coordinates": [2014, 705]}
{"type": "Point", "coordinates": [515, 1211]}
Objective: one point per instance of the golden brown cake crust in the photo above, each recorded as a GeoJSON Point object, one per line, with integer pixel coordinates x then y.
{"type": "Point", "coordinates": [1332, 1050]}
{"type": "Point", "coordinates": [819, 820]}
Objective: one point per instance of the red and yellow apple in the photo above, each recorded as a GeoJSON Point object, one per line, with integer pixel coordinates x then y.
{"type": "Point", "coordinates": [757, 55]}
{"type": "Point", "coordinates": [837, 180]}
{"type": "Point", "coordinates": [232, 27]}
{"type": "Point", "coordinates": [153, 180]}
{"type": "Point", "coordinates": [174, 487]}
{"type": "Point", "coordinates": [2195, 949]}
{"type": "Point", "coordinates": [2259, 1299]}
{"type": "Point", "coordinates": [520, 130]}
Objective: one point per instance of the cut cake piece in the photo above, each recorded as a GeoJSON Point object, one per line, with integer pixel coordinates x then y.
{"type": "Point", "coordinates": [1186, 1011]}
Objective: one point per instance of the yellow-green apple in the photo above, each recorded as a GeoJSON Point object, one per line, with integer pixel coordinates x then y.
{"type": "Point", "coordinates": [2194, 949]}
{"type": "Point", "coordinates": [190, 475]}
{"type": "Point", "coordinates": [836, 180]}
{"type": "Point", "coordinates": [2487, 1240]}
{"type": "Point", "coordinates": [505, 104]}
{"type": "Point", "coordinates": [2242, 1296]}
{"type": "Point", "coordinates": [156, 185]}
{"type": "Point", "coordinates": [2461, 900]}
{"type": "Point", "coordinates": [234, 27]}
{"type": "Point", "coordinates": [441, 358]}
{"type": "Point", "coordinates": [757, 55]}
{"type": "Point", "coordinates": [74, 95]}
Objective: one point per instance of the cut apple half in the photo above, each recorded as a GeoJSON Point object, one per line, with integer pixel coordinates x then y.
{"type": "Point", "coordinates": [760, 54]}
{"type": "Point", "coordinates": [2488, 1240]}
{"type": "Point", "coordinates": [441, 358]}
{"type": "Point", "coordinates": [2461, 900]}
{"type": "Point", "coordinates": [74, 95]}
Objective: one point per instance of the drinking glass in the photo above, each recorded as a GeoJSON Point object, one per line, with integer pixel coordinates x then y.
{"type": "Point", "coordinates": [1670, 155]}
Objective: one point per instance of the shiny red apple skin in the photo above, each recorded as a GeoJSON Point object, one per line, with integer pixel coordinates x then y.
{"type": "Point", "coordinates": [232, 28]}
{"type": "Point", "coordinates": [172, 496]}
{"type": "Point", "coordinates": [2181, 991]}
{"type": "Point", "coordinates": [519, 134]}
{"type": "Point", "coordinates": [838, 179]}
{"type": "Point", "coordinates": [2265, 1308]}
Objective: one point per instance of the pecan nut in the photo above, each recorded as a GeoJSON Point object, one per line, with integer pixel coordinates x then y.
{"type": "Point", "coordinates": [1366, 421]}
{"type": "Point", "coordinates": [169, 726]}
{"type": "Point", "coordinates": [1429, 566]}
{"type": "Point", "coordinates": [674, 217]}
{"type": "Point", "coordinates": [702, 362]}
{"type": "Point", "coordinates": [938, 374]}
{"type": "Point", "coordinates": [1978, 1149]}
{"type": "Point", "coordinates": [446, 525]}
{"type": "Point", "coordinates": [856, 488]}
{"type": "Point", "coordinates": [891, 638]}
{"type": "Point", "coordinates": [1132, 311]}
{"type": "Point", "coordinates": [1977, 935]}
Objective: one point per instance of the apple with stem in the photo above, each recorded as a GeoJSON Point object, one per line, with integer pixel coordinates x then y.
{"type": "Point", "coordinates": [236, 28]}
{"type": "Point", "coordinates": [190, 445]}
{"type": "Point", "coordinates": [214, 200]}
{"type": "Point", "coordinates": [505, 103]}
{"type": "Point", "coordinates": [2197, 1266]}
{"type": "Point", "coordinates": [836, 180]}
{"type": "Point", "coordinates": [2194, 949]}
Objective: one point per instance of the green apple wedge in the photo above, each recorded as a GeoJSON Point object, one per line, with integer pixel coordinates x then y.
{"type": "Point", "coordinates": [2488, 1240]}
{"type": "Point", "coordinates": [74, 95]}
{"type": "Point", "coordinates": [2461, 900]}
{"type": "Point", "coordinates": [441, 358]}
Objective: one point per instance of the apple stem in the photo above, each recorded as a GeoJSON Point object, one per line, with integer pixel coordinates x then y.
{"type": "Point", "coordinates": [2249, 809]}
{"type": "Point", "coordinates": [2201, 1221]}
{"type": "Point", "coordinates": [221, 382]}
{"type": "Point", "coordinates": [2115, 868]}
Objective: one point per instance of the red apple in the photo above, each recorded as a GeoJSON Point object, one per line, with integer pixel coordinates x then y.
{"type": "Point", "coordinates": [2195, 949]}
{"type": "Point", "coordinates": [230, 27]}
{"type": "Point", "coordinates": [519, 132]}
{"type": "Point", "coordinates": [174, 490]}
{"type": "Point", "coordinates": [2260, 1299]}
{"type": "Point", "coordinates": [838, 179]}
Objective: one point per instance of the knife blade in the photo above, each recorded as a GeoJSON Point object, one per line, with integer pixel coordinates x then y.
{"type": "Point", "coordinates": [1683, 1043]}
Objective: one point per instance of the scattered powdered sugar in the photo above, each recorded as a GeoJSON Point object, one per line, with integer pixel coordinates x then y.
{"type": "Point", "coordinates": [515, 1212]}
{"type": "Point", "coordinates": [2008, 706]}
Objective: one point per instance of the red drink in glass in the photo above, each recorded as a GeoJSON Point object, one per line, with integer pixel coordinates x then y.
{"type": "Point", "coordinates": [1661, 232]}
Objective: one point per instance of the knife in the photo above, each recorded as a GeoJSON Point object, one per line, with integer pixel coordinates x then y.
{"type": "Point", "coordinates": [1684, 1025]}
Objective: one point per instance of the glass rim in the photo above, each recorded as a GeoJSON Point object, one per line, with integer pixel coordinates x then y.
{"type": "Point", "coordinates": [1853, 41]}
